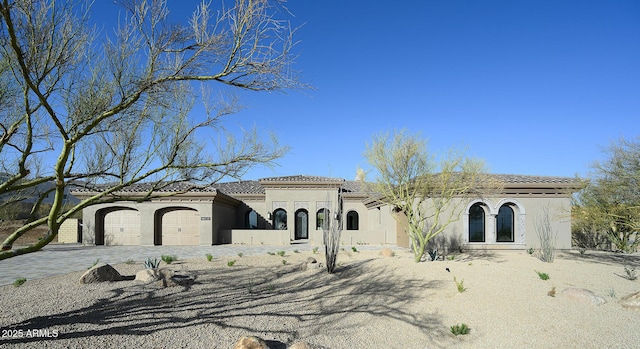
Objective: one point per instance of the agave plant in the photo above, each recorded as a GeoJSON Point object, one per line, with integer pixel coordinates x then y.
{"type": "Point", "coordinates": [151, 263]}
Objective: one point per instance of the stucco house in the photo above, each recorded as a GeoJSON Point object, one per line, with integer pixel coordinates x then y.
{"type": "Point", "coordinates": [292, 209]}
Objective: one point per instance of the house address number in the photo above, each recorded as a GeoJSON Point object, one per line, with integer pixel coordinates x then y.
{"type": "Point", "coordinates": [205, 218]}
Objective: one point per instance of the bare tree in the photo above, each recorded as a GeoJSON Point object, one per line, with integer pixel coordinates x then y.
{"type": "Point", "coordinates": [113, 108]}
{"type": "Point", "coordinates": [429, 193]}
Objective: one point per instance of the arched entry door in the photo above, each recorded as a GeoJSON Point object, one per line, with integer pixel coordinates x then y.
{"type": "Point", "coordinates": [302, 224]}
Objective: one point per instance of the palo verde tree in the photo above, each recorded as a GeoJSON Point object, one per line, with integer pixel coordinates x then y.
{"type": "Point", "coordinates": [610, 202]}
{"type": "Point", "coordinates": [112, 108]}
{"type": "Point", "coordinates": [431, 194]}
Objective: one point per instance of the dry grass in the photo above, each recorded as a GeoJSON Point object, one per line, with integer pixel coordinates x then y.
{"type": "Point", "coordinates": [8, 227]}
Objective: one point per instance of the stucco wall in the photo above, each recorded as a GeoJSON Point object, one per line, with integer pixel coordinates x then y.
{"type": "Point", "coordinates": [526, 211]}
{"type": "Point", "coordinates": [294, 199]}
{"type": "Point", "coordinates": [266, 237]}
{"type": "Point", "coordinates": [149, 218]}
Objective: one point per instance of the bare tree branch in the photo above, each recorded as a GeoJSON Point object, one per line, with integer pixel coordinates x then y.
{"type": "Point", "coordinates": [115, 109]}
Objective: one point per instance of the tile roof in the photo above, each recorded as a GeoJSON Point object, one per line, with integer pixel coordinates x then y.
{"type": "Point", "coordinates": [169, 187]}
{"type": "Point", "coordinates": [301, 178]}
{"type": "Point", "coordinates": [525, 179]}
{"type": "Point", "coordinates": [354, 187]}
{"type": "Point", "coordinates": [348, 187]}
{"type": "Point", "coordinates": [241, 187]}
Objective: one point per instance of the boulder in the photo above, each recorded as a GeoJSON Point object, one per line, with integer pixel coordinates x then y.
{"type": "Point", "coordinates": [631, 301]}
{"type": "Point", "coordinates": [250, 342]}
{"type": "Point", "coordinates": [310, 264]}
{"type": "Point", "coordinates": [100, 272]}
{"type": "Point", "coordinates": [148, 275]}
{"type": "Point", "coordinates": [163, 278]}
{"type": "Point", "coordinates": [176, 280]}
{"type": "Point", "coordinates": [387, 252]}
{"type": "Point", "coordinates": [583, 295]}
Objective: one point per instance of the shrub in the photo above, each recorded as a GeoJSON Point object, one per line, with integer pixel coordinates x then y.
{"type": "Point", "coordinates": [451, 257]}
{"type": "Point", "coordinates": [130, 261]}
{"type": "Point", "coordinates": [315, 250]}
{"type": "Point", "coordinates": [231, 263]}
{"type": "Point", "coordinates": [94, 263]}
{"type": "Point", "coordinates": [271, 253]}
{"type": "Point", "coordinates": [284, 262]}
{"type": "Point", "coordinates": [546, 235]}
{"type": "Point", "coordinates": [552, 292]}
{"type": "Point", "coordinates": [459, 285]}
{"type": "Point", "coordinates": [151, 263]}
{"type": "Point", "coordinates": [354, 249]}
{"type": "Point", "coordinates": [169, 259]}
{"type": "Point", "coordinates": [209, 256]}
{"type": "Point", "coordinates": [281, 253]}
{"type": "Point", "coordinates": [19, 282]}
{"type": "Point", "coordinates": [240, 254]}
{"type": "Point", "coordinates": [531, 250]}
{"type": "Point", "coordinates": [295, 251]}
{"type": "Point", "coordinates": [543, 276]}
{"type": "Point", "coordinates": [459, 329]}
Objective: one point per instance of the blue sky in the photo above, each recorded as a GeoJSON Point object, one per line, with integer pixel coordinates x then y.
{"type": "Point", "coordinates": [532, 87]}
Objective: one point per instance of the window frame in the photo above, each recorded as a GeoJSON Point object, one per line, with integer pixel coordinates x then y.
{"type": "Point", "coordinates": [276, 219]}
{"type": "Point", "coordinates": [472, 222]}
{"type": "Point", "coordinates": [501, 220]}
{"type": "Point", "coordinates": [353, 224]}
{"type": "Point", "coordinates": [322, 223]}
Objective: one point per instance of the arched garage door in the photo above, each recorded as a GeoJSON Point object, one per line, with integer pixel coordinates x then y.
{"type": "Point", "coordinates": [179, 226]}
{"type": "Point", "coordinates": [122, 227]}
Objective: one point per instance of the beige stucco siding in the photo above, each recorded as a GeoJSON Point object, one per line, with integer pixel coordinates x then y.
{"type": "Point", "coordinates": [526, 211]}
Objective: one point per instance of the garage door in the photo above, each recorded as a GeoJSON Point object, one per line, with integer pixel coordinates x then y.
{"type": "Point", "coordinates": [181, 227]}
{"type": "Point", "coordinates": [122, 228]}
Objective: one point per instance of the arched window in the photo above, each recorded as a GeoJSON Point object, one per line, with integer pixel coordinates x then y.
{"type": "Point", "coordinates": [251, 220]}
{"type": "Point", "coordinates": [302, 224]}
{"type": "Point", "coordinates": [352, 220]}
{"type": "Point", "coordinates": [322, 219]}
{"type": "Point", "coordinates": [504, 224]}
{"type": "Point", "coordinates": [280, 219]}
{"type": "Point", "coordinates": [476, 223]}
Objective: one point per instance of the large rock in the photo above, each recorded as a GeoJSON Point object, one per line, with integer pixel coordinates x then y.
{"type": "Point", "coordinates": [163, 278]}
{"type": "Point", "coordinates": [100, 272]}
{"type": "Point", "coordinates": [387, 252]}
{"type": "Point", "coordinates": [583, 295]}
{"type": "Point", "coordinates": [631, 301]}
{"type": "Point", "coordinates": [250, 342]}
{"type": "Point", "coordinates": [148, 275]}
{"type": "Point", "coordinates": [310, 264]}
{"type": "Point", "coordinates": [176, 280]}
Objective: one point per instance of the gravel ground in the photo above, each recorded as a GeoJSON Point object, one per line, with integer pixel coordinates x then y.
{"type": "Point", "coordinates": [371, 301]}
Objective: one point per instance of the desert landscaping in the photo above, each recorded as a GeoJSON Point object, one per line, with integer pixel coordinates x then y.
{"type": "Point", "coordinates": [371, 301]}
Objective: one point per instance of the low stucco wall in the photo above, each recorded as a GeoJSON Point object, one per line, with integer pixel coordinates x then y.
{"type": "Point", "coordinates": [355, 237]}
{"type": "Point", "coordinates": [68, 232]}
{"type": "Point", "coordinates": [267, 237]}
